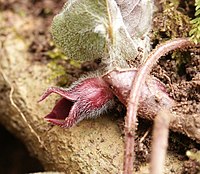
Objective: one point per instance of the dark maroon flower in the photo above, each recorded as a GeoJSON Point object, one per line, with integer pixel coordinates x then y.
{"type": "Point", "coordinates": [87, 99]}
{"type": "Point", "coordinates": [153, 97]}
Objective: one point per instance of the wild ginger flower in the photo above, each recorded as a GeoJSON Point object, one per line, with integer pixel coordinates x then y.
{"type": "Point", "coordinates": [87, 99]}
{"type": "Point", "coordinates": [93, 96]}
{"type": "Point", "coordinates": [153, 98]}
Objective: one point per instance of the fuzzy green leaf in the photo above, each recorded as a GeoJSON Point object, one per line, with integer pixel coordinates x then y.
{"type": "Point", "coordinates": [137, 16]}
{"type": "Point", "coordinates": [91, 29]}
{"type": "Point", "coordinates": [80, 29]}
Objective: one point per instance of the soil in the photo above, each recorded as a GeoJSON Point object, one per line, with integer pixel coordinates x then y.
{"type": "Point", "coordinates": [183, 83]}
{"type": "Point", "coordinates": [181, 76]}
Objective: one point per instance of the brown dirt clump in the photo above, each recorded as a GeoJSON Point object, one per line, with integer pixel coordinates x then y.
{"type": "Point", "coordinates": [191, 167]}
{"type": "Point", "coordinates": [182, 87]}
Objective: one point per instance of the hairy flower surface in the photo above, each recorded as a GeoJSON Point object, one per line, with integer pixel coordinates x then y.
{"type": "Point", "coordinates": [87, 99]}
{"type": "Point", "coordinates": [91, 97]}
{"type": "Point", "coordinates": [154, 96]}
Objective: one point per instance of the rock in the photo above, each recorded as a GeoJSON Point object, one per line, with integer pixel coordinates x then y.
{"type": "Point", "coordinates": [93, 146]}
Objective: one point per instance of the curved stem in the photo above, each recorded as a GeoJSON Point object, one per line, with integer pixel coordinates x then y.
{"type": "Point", "coordinates": [137, 85]}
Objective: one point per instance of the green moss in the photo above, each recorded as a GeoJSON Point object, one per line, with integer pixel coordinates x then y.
{"type": "Point", "coordinates": [171, 23]}
{"type": "Point", "coordinates": [58, 65]}
{"type": "Point", "coordinates": [58, 73]}
{"type": "Point", "coordinates": [195, 31]}
{"type": "Point", "coordinates": [56, 54]}
{"type": "Point", "coordinates": [194, 155]}
{"type": "Point", "coordinates": [75, 63]}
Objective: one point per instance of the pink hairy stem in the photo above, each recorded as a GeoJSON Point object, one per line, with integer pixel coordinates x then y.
{"type": "Point", "coordinates": [137, 85]}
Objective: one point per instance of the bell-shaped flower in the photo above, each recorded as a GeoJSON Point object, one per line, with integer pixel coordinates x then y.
{"type": "Point", "coordinates": [86, 99]}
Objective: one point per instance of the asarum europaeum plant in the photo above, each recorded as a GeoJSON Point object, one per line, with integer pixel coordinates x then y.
{"type": "Point", "coordinates": [115, 31]}
{"type": "Point", "coordinates": [93, 96]}
{"type": "Point", "coordinates": [87, 30]}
